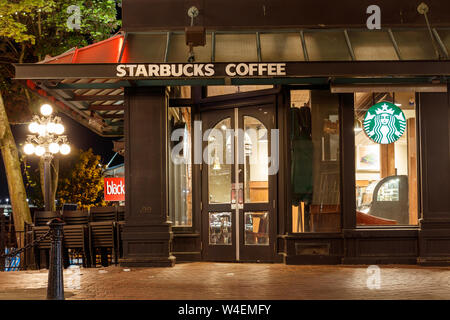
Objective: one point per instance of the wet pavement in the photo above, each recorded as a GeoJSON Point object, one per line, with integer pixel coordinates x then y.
{"type": "Point", "coordinates": [208, 280]}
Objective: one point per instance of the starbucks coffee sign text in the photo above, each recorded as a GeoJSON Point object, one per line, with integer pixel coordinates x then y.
{"type": "Point", "coordinates": [186, 70]}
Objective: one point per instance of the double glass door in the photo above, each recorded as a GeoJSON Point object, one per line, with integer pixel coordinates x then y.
{"type": "Point", "coordinates": [238, 184]}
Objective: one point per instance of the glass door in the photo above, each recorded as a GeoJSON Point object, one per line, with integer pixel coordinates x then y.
{"type": "Point", "coordinates": [238, 185]}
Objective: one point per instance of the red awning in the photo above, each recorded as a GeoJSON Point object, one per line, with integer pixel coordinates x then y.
{"type": "Point", "coordinates": [106, 51]}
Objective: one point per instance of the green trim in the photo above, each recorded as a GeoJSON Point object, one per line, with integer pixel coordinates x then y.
{"type": "Point", "coordinates": [382, 80]}
{"type": "Point", "coordinates": [243, 81]}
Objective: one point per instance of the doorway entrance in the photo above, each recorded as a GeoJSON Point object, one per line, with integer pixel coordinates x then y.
{"type": "Point", "coordinates": [239, 184]}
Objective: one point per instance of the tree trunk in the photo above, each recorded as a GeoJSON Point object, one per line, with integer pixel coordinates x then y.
{"type": "Point", "coordinates": [17, 194]}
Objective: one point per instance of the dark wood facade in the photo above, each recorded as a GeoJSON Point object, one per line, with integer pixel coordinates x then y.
{"type": "Point", "coordinates": [149, 239]}
{"type": "Point", "coordinates": [428, 243]}
{"type": "Point", "coordinates": [264, 14]}
{"type": "Point", "coordinates": [147, 233]}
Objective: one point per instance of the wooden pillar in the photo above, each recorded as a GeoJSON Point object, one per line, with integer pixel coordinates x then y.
{"type": "Point", "coordinates": [412, 170]}
{"type": "Point", "coordinates": [387, 159]}
{"type": "Point", "coordinates": [347, 158]}
{"type": "Point", "coordinates": [147, 233]}
{"type": "Point", "coordinates": [434, 233]}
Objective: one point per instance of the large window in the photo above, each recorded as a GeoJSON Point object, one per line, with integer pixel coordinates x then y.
{"type": "Point", "coordinates": [180, 167]}
{"type": "Point", "coordinates": [386, 159]}
{"type": "Point", "coordinates": [224, 90]}
{"type": "Point", "coordinates": [315, 172]}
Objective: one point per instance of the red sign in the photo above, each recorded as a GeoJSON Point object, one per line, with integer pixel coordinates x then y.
{"type": "Point", "coordinates": [114, 189]}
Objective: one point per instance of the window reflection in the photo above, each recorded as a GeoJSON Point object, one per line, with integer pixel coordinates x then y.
{"type": "Point", "coordinates": [257, 228]}
{"type": "Point", "coordinates": [315, 173]}
{"type": "Point", "coordinates": [220, 228]}
{"type": "Point", "coordinates": [256, 176]}
{"type": "Point", "coordinates": [386, 173]}
{"type": "Point", "coordinates": [180, 167]}
{"type": "Point", "coordinates": [219, 162]}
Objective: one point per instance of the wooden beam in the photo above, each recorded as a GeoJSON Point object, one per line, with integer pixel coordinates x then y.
{"type": "Point", "coordinates": [97, 98]}
{"type": "Point", "coordinates": [106, 107]}
{"type": "Point", "coordinates": [112, 116]}
{"type": "Point", "coordinates": [180, 102]}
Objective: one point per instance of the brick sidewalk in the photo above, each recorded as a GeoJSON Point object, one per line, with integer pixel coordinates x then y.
{"type": "Point", "coordinates": [202, 280]}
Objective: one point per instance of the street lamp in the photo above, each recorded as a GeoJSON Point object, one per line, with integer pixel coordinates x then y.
{"type": "Point", "coordinates": [46, 141]}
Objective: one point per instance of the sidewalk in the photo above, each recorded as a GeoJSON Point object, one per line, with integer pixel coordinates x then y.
{"type": "Point", "coordinates": [205, 280]}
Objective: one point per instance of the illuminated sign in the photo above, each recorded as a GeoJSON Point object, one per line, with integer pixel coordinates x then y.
{"type": "Point", "coordinates": [384, 123]}
{"type": "Point", "coordinates": [200, 70]}
{"type": "Point", "coordinates": [114, 189]}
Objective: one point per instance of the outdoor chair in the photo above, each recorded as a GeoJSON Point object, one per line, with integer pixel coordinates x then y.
{"type": "Point", "coordinates": [119, 232]}
{"type": "Point", "coordinates": [102, 233]}
{"type": "Point", "coordinates": [76, 234]}
{"type": "Point", "coordinates": [121, 213]}
{"type": "Point", "coordinates": [38, 229]}
{"type": "Point", "coordinates": [99, 214]}
{"type": "Point", "coordinates": [102, 236]}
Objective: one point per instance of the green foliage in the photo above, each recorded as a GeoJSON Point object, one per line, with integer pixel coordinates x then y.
{"type": "Point", "coordinates": [83, 182]}
{"type": "Point", "coordinates": [14, 16]}
{"type": "Point", "coordinates": [98, 20]}
{"type": "Point", "coordinates": [39, 29]}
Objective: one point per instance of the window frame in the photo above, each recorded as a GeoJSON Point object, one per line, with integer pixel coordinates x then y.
{"type": "Point", "coordinates": [349, 140]}
{"type": "Point", "coordinates": [191, 228]}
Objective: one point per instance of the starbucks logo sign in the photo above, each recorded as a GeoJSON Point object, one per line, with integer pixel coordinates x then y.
{"type": "Point", "coordinates": [384, 123]}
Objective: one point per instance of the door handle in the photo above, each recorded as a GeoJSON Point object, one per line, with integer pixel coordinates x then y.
{"type": "Point", "coordinates": [241, 196]}
{"type": "Point", "coordinates": [241, 199]}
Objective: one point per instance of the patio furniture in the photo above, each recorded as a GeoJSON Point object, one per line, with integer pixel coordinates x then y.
{"type": "Point", "coordinates": [37, 230]}
{"type": "Point", "coordinates": [102, 233]}
{"type": "Point", "coordinates": [76, 234]}
{"type": "Point", "coordinates": [120, 213]}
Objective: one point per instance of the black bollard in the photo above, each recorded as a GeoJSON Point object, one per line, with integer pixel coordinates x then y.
{"type": "Point", "coordinates": [55, 287]}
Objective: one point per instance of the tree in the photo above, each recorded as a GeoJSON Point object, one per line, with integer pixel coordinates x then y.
{"type": "Point", "coordinates": [30, 30]}
{"type": "Point", "coordinates": [17, 194]}
{"type": "Point", "coordinates": [12, 29]}
{"type": "Point", "coordinates": [83, 183]}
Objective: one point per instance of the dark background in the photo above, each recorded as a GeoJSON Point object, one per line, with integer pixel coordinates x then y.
{"type": "Point", "coordinates": [79, 137]}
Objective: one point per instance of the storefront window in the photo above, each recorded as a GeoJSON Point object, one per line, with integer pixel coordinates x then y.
{"type": "Point", "coordinates": [223, 90]}
{"type": "Point", "coordinates": [386, 159]}
{"type": "Point", "coordinates": [219, 171]}
{"type": "Point", "coordinates": [180, 167]}
{"type": "Point", "coordinates": [315, 172]}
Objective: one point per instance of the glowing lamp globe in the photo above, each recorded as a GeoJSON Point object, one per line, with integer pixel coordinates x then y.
{"type": "Point", "coordinates": [64, 149]}
{"type": "Point", "coordinates": [33, 127]}
{"type": "Point", "coordinates": [39, 151]}
{"type": "Point", "coordinates": [28, 148]}
{"type": "Point", "coordinates": [46, 109]}
{"type": "Point", "coordinates": [53, 147]}
{"type": "Point", "coordinates": [51, 127]}
{"type": "Point", "coordinates": [59, 128]}
{"type": "Point", "coordinates": [42, 130]}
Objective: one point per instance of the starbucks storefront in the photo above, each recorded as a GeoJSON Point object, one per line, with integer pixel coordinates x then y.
{"type": "Point", "coordinates": [294, 146]}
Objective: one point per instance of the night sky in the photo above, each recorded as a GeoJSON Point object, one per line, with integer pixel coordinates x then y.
{"type": "Point", "coordinates": [78, 135]}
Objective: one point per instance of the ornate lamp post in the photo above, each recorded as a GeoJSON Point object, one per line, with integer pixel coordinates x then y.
{"type": "Point", "coordinates": [46, 141]}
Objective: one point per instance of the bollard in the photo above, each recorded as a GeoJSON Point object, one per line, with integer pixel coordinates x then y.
{"type": "Point", "coordinates": [55, 287]}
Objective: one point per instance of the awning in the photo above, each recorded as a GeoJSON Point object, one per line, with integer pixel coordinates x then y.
{"type": "Point", "coordinates": [83, 82]}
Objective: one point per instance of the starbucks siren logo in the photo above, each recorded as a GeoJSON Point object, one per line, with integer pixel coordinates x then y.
{"type": "Point", "coordinates": [384, 123]}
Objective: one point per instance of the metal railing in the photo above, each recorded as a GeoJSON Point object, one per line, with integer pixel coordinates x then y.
{"type": "Point", "coordinates": [11, 259]}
